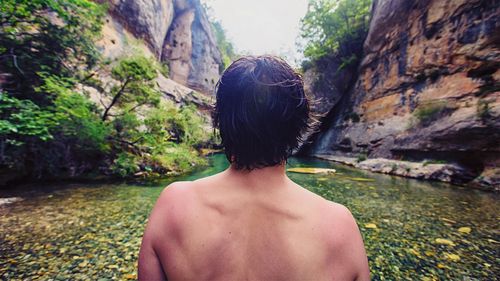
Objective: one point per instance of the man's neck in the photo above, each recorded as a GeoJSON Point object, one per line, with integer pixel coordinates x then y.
{"type": "Point", "coordinates": [267, 176]}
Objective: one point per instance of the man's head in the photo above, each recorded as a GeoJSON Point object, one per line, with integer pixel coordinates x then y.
{"type": "Point", "coordinates": [261, 111]}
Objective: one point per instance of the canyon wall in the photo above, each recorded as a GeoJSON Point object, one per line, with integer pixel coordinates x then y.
{"type": "Point", "coordinates": [427, 89]}
{"type": "Point", "coordinates": [176, 32]}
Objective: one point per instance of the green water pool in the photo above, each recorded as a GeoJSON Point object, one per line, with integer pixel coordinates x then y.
{"type": "Point", "coordinates": [413, 230]}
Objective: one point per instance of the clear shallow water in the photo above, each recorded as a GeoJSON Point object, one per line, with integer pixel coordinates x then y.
{"type": "Point", "coordinates": [410, 228]}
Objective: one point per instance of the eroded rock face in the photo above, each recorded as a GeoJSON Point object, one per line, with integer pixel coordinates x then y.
{"type": "Point", "coordinates": [325, 85]}
{"type": "Point", "coordinates": [177, 32]}
{"type": "Point", "coordinates": [178, 46]}
{"type": "Point", "coordinates": [146, 19]}
{"type": "Point", "coordinates": [428, 86]}
{"type": "Point", "coordinates": [451, 173]}
{"type": "Point", "coordinates": [191, 48]}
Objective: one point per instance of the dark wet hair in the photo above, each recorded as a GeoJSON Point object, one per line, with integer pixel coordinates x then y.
{"type": "Point", "coordinates": [261, 111]}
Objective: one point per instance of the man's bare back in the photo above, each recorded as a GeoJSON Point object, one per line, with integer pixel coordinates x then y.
{"type": "Point", "coordinates": [258, 225]}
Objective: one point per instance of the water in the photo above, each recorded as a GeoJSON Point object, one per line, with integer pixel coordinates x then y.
{"type": "Point", "coordinates": [410, 228]}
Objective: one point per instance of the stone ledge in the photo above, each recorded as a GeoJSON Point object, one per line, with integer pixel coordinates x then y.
{"type": "Point", "coordinates": [451, 173]}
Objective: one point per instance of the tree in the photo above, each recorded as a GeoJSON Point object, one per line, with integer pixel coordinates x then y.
{"type": "Point", "coordinates": [44, 44]}
{"type": "Point", "coordinates": [135, 86]}
{"type": "Point", "coordinates": [225, 46]}
{"type": "Point", "coordinates": [46, 37]}
{"type": "Point", "coordinates": [49, 127]}
{"type": "Point", "coordinates": [335, 27]}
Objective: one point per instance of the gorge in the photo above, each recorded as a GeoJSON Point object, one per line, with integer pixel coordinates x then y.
{"type": "Point", "coordinates": [426, 90]}
{"type": "Point", "coordinates": [420, 100]}
{"type": "Point", "coordinates": [105, 103]}
{"type": "Point", "coordinates": [422, 103]}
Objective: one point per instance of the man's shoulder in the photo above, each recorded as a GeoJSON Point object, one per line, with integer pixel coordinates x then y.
{"type": "Point", "coordinates": [175, 192]}
{"type": "Point", "coordinates": [180, 191]}
{"type": "Point", "coordinates": [342, 226]}
{"type": "Point", "coordinates": [340, 212]}
{"type": "Point", "coordinates": [345, 241]}
{"type": "Point", "coordinates": [335, 212]}
{"type": "Point", "coordinates": [171, 207]}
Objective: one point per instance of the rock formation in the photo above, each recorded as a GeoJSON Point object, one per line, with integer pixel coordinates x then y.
{"type": "Point", "coordinates": [177, 32]}
{"type": "Point", "coordinates": [428, 88]}
{"type": "Point", "coordinates": [147, 19]}
{"type": "Point", "coordinates": [191, 48]}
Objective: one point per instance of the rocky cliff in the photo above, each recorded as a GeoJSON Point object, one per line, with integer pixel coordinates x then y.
{"type": "Point", "coordinates": [426, 89]}
{"type": "Point", "coordinates": [176, 32]}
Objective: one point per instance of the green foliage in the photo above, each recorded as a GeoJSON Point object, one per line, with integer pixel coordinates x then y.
{"type": "Point", "coordinates": [134, 69]}
{"type": "Point", "coordinates": [335, 27]}
{"type": "Point", "coordinates": [46, 36]}
{"type": "Point", "coordinates": [23, 118]}
{"type": "Point", "coordinates": [483, 109]}
{"type": "Point", "coordinates": [180, 125]}
{"type": "Point", "coordinates": [78, 119]}
{"type": "Point", "coordinates": [164, 69]}
{"type": "Point", "coordinates": [225, 46]}
{"type": "Point", "coordinates": [177, 158]}
{"type": "Point", "coordinates": [170, 135]}
{"type": "Point", "coordinates": [43, 136]}
{"type": "Point", "coordinates": [50, 127]}
{"type": "Point", "coordinates": [361, 157]}
{"type": "Point", "coordinates": [125, 164]}
{"type": "Point", "coordinates": [427, 113]}
{"type": "Point", "coordinates": [162, 142]}
{"type": "Point", "coordinates": [135, 87]}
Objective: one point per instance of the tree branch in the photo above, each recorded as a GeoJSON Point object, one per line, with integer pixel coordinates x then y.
{"type": "Point", "coordinates": [115, 100]}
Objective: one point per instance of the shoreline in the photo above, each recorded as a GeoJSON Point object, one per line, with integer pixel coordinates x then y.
{"type": "Point", "coordinates": [449, 172]}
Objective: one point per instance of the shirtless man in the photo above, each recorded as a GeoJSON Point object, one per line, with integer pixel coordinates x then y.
{"type": "Point", "coordinates": [251, 222]}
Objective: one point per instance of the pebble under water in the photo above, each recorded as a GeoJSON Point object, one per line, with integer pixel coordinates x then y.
{"type": "Point", "coordinates": [413, 230]}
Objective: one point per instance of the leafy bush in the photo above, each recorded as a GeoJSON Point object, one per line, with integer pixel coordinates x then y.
{"type": "Point", "coordinates": [77, 118]}
{"type": "Point", "coordinates": [183, 125]}
{"type": "Point", "coordinates": [483, 109]}
{"type": "Point", "coordinates": [361, 157]}
{"type": "Point", "coordinates": [63, 31]}
{"type": "Point", "coordinates": [177, 159]}
{"type": "Point", "coordinates": [162, 143]}
{"type": "Point", "coordinates": [427, 113]}
{"type": "Point", "coordinates": [23, 118]}
{"type": "Point", "coordinates": [164, 69]}
{"type": "Point", "coordinates": [225, 46]}
{"type": "Point", "coordinates": [335, 27]}
{"type": "Point", "coordinates": [50, 127]}
{"type": "Point", "coordinates": [125, 164]}
{"type": "Point", "coordinates": [135, 86]}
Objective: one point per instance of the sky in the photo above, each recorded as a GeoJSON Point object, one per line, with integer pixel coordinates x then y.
{"type": "Point", "coordinates": [261, 26]}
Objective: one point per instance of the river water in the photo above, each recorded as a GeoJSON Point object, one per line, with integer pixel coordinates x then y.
{"type": "Point", "coordinates": [413, 230]}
